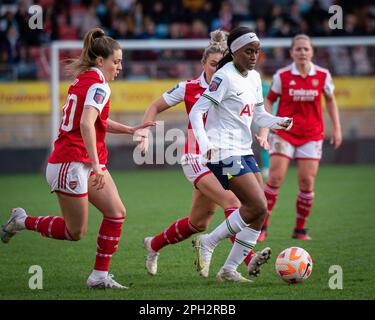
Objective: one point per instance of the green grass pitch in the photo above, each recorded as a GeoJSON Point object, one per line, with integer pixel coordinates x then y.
{"type": "Point", "coordinates": [341, 225]}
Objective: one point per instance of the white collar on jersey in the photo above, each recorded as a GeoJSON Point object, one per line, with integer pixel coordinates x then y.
{"type": "Point", "coordinates": [202, 81]}
{"type": "Point", "coordinates": [312, 71]}
{"type": "Point", "coordinates": [98, 71]}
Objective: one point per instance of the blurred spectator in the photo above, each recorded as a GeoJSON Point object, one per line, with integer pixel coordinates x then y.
{"type": "Point", "coordinates": [11, 45]}
{"type": "Point", "coordinates": [124, 27]}
{"type": "Point", "coordinates": [138, 18]}
{"type": "Point", "coordinates": [361, 61]}
{"type": "Point", "coordinates": [125, 5]}
{"type": "Point", "coordinates": [261, 28]}
{"type": "Point", "coordinates": [89, 21]}
{"type": "Point", "coordinates": [340, 60]}
{"type": "Point", "coordinates": [6, 21]}
{"type": "Point", "coordinates": [274, 19]}
{"type": "Point", "coordinates": [225, 19]}
{"type": "Point", "coordinates": [193, 5]}
{"type": "Point", "coordinates": [198, 30]}
{"type": "Point", "coordinates": [26, 67]}
{"type": "Point", "coordinates": [180, 19]}
{"type": "Point", "coordinates": [241, 10]}
{"type": "Point", "coordinates": [6, 70]}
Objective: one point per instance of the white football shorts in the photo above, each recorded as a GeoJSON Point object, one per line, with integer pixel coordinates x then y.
{"type": "Point", "coordinates": [69, 178]}
{"type": "Point", "coordinates": [194, 168]}
{"type": "Point", "coordinates": [311, 150]}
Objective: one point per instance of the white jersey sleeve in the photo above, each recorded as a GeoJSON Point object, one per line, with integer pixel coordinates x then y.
{"type": "Point", "coordinates": [259, 92]}
{"type": "Point", "coordinates": [217, 88]}
{"type": "Point", "coordinates": [276, 83]}
{"type": "Point", "coordinates": [176, 94]}
{"type": "Point", "coordinates": [263, 118]}
{"type": "Point", "coordinates": [329, 87]}
{"type": "Point", "coordinates": [196, 120]}
{"type": "Point", "coordinates": [97, 96]}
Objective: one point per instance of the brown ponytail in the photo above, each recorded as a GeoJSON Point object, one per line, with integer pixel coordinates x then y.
{"type": "Point", "coordinates": [95, 44]}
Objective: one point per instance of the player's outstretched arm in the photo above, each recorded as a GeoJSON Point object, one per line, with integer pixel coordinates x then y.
{"type": "Point", "coordinates": [117, 127]}
{"type": "Point", "coordinates": [265, 119]}
{"type": "Point", "coordinates": [141, 136]}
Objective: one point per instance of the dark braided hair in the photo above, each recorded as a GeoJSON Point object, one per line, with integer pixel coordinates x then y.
{"type": "Point", "coordinates": [233, 35]}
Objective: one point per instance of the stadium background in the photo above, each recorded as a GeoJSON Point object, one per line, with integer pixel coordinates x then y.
{"type": "Point", "coordinates": [154, 198]}
{"type": "Point", "coordinates": [25, 64]}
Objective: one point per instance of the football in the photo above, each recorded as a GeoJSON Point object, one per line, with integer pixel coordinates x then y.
{"type": "Point", "coordinates": [294, 265]}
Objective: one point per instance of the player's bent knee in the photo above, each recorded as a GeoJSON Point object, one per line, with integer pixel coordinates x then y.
{"type": "Point", "coordinates": [232, 203]}
{"type": "Point", "coordinates": [118, 212]}
{"type": "Point", "coordinates": [256, 210]}
{"type": "Point", "coordinates": [122, 212]}
{"type": "Point", "coordinates": [260, 210]}
{"type": "Point", "coordinates": [275, 180]}
{"type": "Point", "coordinates": [306, 184]}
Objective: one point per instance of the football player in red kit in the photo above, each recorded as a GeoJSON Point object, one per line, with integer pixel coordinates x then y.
{"type": "Point", "coordinates": [208, 192]}
{"type": "Point", "coordinates": [76, 169]}
{"type": "Point", "coordinates": [299, 88]}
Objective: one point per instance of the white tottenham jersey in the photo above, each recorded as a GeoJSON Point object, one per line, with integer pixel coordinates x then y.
{"type": "Point", "coordinates": [232, 100]}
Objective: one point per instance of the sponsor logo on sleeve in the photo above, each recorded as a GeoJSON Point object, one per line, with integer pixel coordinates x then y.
{"type": "Point", "coordinates": [99, 95]}
{"type": "Point", "coordinates": [215, 83]}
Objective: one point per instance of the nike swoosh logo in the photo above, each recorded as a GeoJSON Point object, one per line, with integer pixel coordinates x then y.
{"type": "Point", "coordinates": [239, 93]}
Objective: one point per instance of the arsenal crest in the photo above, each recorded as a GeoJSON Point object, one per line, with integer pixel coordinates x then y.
{"type": "Point", "coordinates": [215, 83]}
{"type": "Point", "coordinates": [73, 184]}
{"type": "Point", "coordinates": [315, 82]}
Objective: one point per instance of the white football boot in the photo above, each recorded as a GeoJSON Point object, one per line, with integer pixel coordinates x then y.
{"type": "Point", "coordinates": [257, 260]}
{"type": "Point", "coordinates": [104, 283]}
{"type": "Point", "coordinates": [15, 224]}
{"type": "Point", "coordinates": [151, 258]}
{"type": "Point", "coordinates": [203, 255]}
{"type": "Point", "coordinates": [225, 275]}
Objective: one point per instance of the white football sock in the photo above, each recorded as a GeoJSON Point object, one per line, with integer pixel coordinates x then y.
{"type": "Point", "coordinates": [245, 241]}
{"type": "Point", "coordinates": [97, 274]}
{"type": "Point", "coordinates": [226, 229]}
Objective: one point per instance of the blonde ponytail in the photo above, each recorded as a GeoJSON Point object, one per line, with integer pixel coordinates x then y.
{"type": "Point", "coordinates": [218, 44]}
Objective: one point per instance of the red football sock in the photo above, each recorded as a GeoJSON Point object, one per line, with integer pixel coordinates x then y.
{"type": "Point", "coordinates": [176, 232]}
{"type": "Point", "coordinates": [107, 242]}
{"type": "Point", "coordinates": [249, 256]}
{"type": "Point", "coordinates": [271, 194]}
{"type": "Point", "coordinates": [303, 206]}
{"type": "Point", "coordinates": [49, 226]}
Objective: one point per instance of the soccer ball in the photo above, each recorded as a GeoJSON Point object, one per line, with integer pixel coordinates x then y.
{"type": "Point", "coordinates": [294, 265]}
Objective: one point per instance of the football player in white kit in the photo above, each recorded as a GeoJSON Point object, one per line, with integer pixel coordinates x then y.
{"type": "Point", "coordinates": [233, 100]}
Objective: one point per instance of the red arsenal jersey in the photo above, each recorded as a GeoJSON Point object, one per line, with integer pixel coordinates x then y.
{"type": "Point", "coordinates": [89, 88]}
{"type": "Point", "coordinates": [300, 98]}
{"type": "Point", "coordinates": [188, 91]}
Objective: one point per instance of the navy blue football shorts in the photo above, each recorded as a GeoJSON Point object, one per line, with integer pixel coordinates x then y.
{"type": "Point", "coordinates": [234, 166]}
